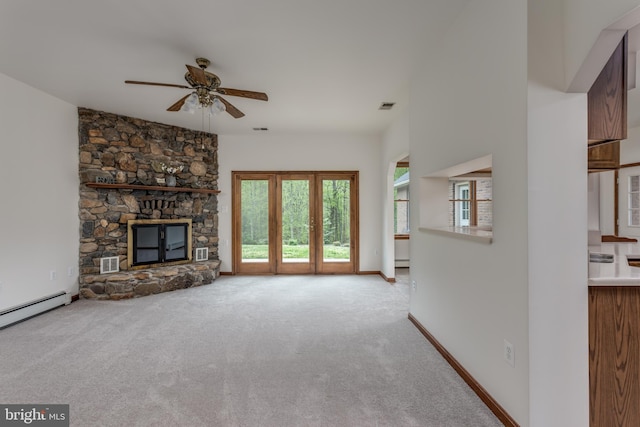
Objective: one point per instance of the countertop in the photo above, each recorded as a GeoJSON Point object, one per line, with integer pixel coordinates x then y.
{"type": "Point", "coordinates": [617, 273]}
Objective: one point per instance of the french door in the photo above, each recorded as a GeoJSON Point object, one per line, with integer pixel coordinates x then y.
{"type": "Point", "coordinates": [295, 222]}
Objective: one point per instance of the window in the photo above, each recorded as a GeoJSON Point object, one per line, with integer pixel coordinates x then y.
{"type": "Point", "coordinates": [470, 202]}
{"type": "Point", "coordinates": [462, 204]}
{"type": "Point", "coordinates": [401, 199]}
{"type": "Point", "coordinates": [634, 201]}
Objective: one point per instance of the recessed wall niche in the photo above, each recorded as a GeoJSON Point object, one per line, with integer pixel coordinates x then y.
{"type": "Point", "coordinates": [457, 201]}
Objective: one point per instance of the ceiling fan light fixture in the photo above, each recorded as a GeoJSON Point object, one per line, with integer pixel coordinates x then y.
{"type": "Point", "coordinates": [206, 88]}
{"type": "Point", "coordinates": [190, 104]}
{"type": "Point", "coordinates": [217, 106]}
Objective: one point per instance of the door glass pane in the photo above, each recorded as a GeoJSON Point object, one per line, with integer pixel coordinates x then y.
{"type": "Point", "coordinates": [336, 216]}
{"type": "Point", "coordinates": [255, 220]}
{"type": "Point", "coordinates": [146, 242]}
{"type": "Point", "coordinates": [175, 242]}
{"type": "Point", "coordinates": [295, 220]}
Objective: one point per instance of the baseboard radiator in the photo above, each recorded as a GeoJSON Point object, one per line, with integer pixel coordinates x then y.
{"type": "Point", "coordinates": [22, 312]}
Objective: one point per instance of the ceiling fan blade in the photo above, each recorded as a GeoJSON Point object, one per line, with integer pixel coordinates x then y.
{"type": "Point", "coordinates": [178, 104]}
{"type": "Point", "coordinates": [134, 82]}
{"type": "Point", "coordinates": [243, 93]}
{"type": "Point", "coordinates": [198, 75]}
{"type": "Point", "coordinates": [231, 109]}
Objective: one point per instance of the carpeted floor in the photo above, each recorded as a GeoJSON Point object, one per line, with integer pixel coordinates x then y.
{"type": "Point", "coordinates": [243, 351]}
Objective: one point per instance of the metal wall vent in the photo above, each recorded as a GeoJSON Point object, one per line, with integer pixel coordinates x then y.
{"type": "Point", "coordinates": [109, 264]}
{"type": "Point", "coordinates": [261, 129]}
{"type": "Point", "coordinates": [202, 254]}
{"type": "Point", "coordinates": [386, 105]}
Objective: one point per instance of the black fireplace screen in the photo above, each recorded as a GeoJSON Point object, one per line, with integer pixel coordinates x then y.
{"type": "Point", "coordinates": [158, 243]}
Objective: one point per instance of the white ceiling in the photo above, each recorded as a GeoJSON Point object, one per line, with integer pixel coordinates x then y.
{"type": "Point", "coordinates": [326, 65]}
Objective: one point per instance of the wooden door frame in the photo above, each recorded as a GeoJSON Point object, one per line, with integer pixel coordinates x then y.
{"type": "Point", "coordinates": [352, 267]}
{"type": "Point", "coordinates": [236, 226]}
{"type": "Point", "coordinates": [295, 267]}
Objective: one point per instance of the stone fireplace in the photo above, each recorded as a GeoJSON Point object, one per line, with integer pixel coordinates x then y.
{"type": "Point", "coordinates": [123, 165]}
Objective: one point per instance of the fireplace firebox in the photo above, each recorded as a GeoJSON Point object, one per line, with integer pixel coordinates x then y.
{"type": "Point", "coordinates": [158, 242]}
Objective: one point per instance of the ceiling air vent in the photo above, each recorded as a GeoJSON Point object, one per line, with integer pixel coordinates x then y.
{"type": "Point", "coordinates": [386, 105]}
{"type": "Point", "coordinates": [109, 265]}
{"type": "Point", "coordinates": [202, 254]}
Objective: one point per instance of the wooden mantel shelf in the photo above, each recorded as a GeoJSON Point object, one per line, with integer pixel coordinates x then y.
{"type": "Point", "coordinates": [152, 188]}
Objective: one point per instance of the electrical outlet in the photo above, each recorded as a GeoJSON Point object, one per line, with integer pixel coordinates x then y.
{"type": "Point", "coordinates": [70, 271]}
{"type": "Point", "coordinates": [509, 353]}
{"type": "Point", "coordinates": [414, 285]}
{"type": "Point", "coordinates": [53, 275]}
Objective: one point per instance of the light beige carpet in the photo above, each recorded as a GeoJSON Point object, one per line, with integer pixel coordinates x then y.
{"type": "Point", "coordinates": [243, 351]}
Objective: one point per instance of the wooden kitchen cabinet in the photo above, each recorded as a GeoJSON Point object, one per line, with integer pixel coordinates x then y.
{"type": "Point", "coordinates": [614, 356]}
{"type": "Point", "coordinates": [607, 99]}
{"type": "Point", "coordinates": [604, 157]}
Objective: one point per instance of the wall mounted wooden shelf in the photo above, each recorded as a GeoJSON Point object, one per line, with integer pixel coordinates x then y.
{"type": "Point", "coordinates": [151, 188]}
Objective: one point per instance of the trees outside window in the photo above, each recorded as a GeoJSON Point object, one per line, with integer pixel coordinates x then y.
{"type": "Point", "coordinates": [401, 199]}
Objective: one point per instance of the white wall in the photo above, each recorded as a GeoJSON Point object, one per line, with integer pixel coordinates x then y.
{"type": "Point", "coordinates": [557, 258]}
{"type": "Point", "coordinates": [306, 153]}
{"type": "Point", "coordinates": [402, 253]}
{"type": "Point", "coordinates": [630, 147]}
{"type": "Point", "coordinates": [395, 147]}
{"type": "Point", "coordinates": [471, 102]}
{"type": "Point", "coordinates": [593, 201]}
{"type": "Point", "coordinates": [39, 188]}
{"type": "Point", "coordinates": [606, 198]}
{"type": "Point", "coordinates": [559, 381]}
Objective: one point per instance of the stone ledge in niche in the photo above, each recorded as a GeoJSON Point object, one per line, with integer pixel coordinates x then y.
{"type": "Point", "coordinates": [138, 283]}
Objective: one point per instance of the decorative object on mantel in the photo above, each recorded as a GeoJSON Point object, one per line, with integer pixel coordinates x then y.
{"type": "Point", "coordinates": [105, 180]}
{"type": "Point", "coordinates": [121, 177]}
{"type": "Point", "coordinates": [171, 171]}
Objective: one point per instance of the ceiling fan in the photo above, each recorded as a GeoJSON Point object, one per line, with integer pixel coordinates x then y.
{"type": "Point", "coordinates": [206, 91]}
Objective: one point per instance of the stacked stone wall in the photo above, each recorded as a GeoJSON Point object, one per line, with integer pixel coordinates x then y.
{"type": "Point", "coordinates": [127, 150]}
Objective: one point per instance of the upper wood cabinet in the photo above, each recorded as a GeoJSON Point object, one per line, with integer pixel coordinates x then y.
{"type": "Point", "coordinates": [604, 157]}
{"type": "Point", "coordinates": [607, 99]}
